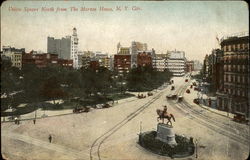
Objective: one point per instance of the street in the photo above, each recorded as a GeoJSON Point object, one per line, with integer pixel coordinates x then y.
{"type": "Point", "coordinates": [112, 133]}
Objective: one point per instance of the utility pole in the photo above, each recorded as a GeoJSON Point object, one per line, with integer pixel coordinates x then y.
{"type": "Point", "coordinates": [140, 126]}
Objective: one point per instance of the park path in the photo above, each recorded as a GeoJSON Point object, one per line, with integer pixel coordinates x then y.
{"type": "Point", "coordinates": [74, 154]}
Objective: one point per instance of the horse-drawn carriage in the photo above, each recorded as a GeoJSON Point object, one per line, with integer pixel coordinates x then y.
{"type": "Point", "coordinates": [80, 110]}
{"type": "Point", "coordinates": [150, 93]}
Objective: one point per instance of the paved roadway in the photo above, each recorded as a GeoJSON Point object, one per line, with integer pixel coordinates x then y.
{"type": "Point", "coordinates": [112, 133]}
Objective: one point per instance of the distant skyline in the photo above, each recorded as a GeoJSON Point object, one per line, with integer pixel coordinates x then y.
{"type": "Point", "coordinates": [164, 25]}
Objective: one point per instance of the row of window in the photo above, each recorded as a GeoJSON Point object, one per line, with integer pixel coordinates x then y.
{"type": "Point", "coordinates": [236, 92]}
{"type": "Point", "coordinates": [235, 78]}
{"type": "Point", "coordinates": [235, 68]}
{"type": "Point", "coordinates": [236, 47]}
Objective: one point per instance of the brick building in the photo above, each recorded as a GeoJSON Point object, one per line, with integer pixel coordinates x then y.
{"type": "Point", "coordinates": [45, 59]}
{"type": "Point", "coordinates": [189, 66]}
{"type": "Point", "coordinates": [212, 69]}
{"type": "Point", "coordinates": [233, 93]}
{"type": "Point", "coordinates": [122, 63]}
{"type": "Point", "coordinates": [144, 59]}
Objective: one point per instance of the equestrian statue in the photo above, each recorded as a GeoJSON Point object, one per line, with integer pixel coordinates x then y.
{"type": "Point", "coordinates": [164, 114]}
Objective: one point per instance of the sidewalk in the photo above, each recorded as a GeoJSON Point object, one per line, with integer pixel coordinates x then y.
{"type": "Point", "coordinates": [51, 113]}
{"type": "Point", "coordinates": [193, 94]}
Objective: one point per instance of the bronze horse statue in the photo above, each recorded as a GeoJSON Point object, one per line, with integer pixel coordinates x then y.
{"type": "Point", "coordinates": [168, 116]}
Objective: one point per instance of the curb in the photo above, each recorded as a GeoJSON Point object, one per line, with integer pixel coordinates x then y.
{"type": "Point", "coordinates": [214, 111]}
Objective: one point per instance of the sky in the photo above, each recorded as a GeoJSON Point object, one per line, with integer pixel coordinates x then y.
{"type": "Point", "coordinates": [164, 25]}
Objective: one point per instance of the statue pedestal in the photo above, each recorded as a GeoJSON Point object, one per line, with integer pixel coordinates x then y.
{"type": "Point", "coordinates": [166, 134]}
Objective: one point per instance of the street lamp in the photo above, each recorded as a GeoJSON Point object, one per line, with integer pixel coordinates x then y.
{"type": "Point", "coordinates": [229, 105]}
{"type": "Point", "coordinates": [196, 148]}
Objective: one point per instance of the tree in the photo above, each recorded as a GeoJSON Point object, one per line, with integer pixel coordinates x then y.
{"type": "Point", "coordinates": [32, 80]}
{"type": "Point", "coordinates": [146, 78]}
{"type": "Point", "coordinates": [10, 82]}
{"type": "Point", "coordinates": [51, 89]}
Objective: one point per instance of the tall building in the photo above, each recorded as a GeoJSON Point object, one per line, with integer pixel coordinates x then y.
{"type": "Point", "coordinates": [211, 70]}
{"type": "Point", "coordinates": [135, 47]}
{"type": "Point", "coordinates": [197, 65]}
{"type": "Point", "coordinates": [65, 48]}
{"type": "Point", "coordinates": [176, 62]}
{"type": "Point", "coordinates": [189, 66]}
{"type": "Point", "coordinates": [74, 48]}
{"type": "Point", "coordinates": [124, 51]}
{"type": "Point", "coordinates": [159, 62]}
{"type": "Point", "coordinates": [14, 54]}
{"type": "Point", "coordinates": [233, 93]}
{"type": "Point", "coordinates": [61, 47]}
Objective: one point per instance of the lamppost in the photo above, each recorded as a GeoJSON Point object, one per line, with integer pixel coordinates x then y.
{"type": "Point", "coordinates": [229, 105]}
{"type": "Point", "coordinates": [196, 148]}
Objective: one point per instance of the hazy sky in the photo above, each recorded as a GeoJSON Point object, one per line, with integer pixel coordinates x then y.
{"type": "Point", "coordinates": [188, 26]}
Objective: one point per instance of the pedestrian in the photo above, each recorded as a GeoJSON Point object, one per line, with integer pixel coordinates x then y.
{"type": "Point", "coordinates": [34, 121]}
{"type": "Point", "coordinates": [15, 120]}
{"type": "Point", "coordinates": [50, 138]}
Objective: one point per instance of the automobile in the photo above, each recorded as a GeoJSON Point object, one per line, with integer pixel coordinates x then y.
{"type": "Point", "coordinates": [187, 91]}
{"type": "Point", "coordinates": [172, 88]}
{"type": "Point", "coordinates": [197, 89]}
{"type": "Point", "coordinates": [140, 96]}
{"type": "Point", "coordinates": [106, 105]}
{"type": "Point", "coordinates": [239, 118]}
{"type": "Point", "coordinates": [80, 110]}
{"type": "Point", "coordinates": [99, 106]}
{"type": "Point", "coordinates": [150, 93]}
{"type": "Point", "coordinates": [196, 101]}
{"type": "Point", "coordinates": [180, 98]}
{"type": "Point", "coordinates": [170, 96]}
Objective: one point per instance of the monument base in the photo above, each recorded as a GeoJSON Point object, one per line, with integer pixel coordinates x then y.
{"type": "Point", "coordinates": [166, 134]}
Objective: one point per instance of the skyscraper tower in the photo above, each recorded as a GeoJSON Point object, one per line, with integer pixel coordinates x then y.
{"type": "Point", "coordinates": [118, 48]}
{"type": "Point", "coordinates": [74, 48]}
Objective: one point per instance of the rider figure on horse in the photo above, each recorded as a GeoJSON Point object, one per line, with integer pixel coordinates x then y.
{"type": "Point", "coordinates": [165, 109]}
